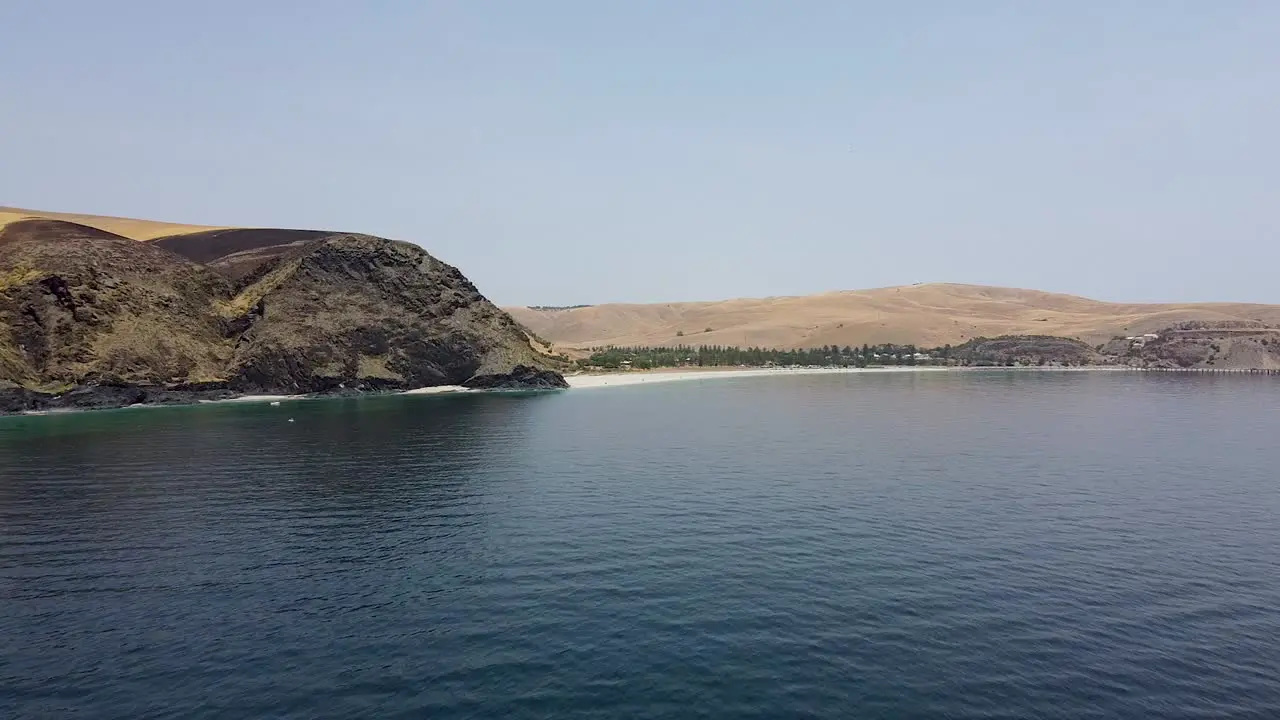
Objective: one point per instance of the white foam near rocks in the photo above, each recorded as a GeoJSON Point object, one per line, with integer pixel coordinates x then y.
{"type": "Point", "coordinates": [274, 399]}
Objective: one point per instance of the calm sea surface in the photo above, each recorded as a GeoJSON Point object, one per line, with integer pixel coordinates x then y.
{"type": "Point", "coordinates": [962, 545]}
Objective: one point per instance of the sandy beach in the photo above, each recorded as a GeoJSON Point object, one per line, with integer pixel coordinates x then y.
{"type": "Point", "coordinates": [620, 379]}
{"type": "Point", "coordinates": [437, 390]}
{"type": "Point", "coordinates": [646, 377]}
{"type": "Point", "coordinates": [641, 377]}
{"type": "Point", "coordinates": [256, 398]}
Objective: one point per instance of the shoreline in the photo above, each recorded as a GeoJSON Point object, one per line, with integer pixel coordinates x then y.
{"type": "Point", "coordinates": [666, 375]}
{"type": "Point", "coordinates": [169, 399]}
{"type": "Point", "coordinates": [581, 381]}
{"type": "Point", "coordinates": [663, 375]}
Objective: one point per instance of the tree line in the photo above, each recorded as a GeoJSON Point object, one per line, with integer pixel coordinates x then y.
{"type": "Point", "coordinates": [726, 355]}
{"type": "Point", "coordinates": [1002, 351]}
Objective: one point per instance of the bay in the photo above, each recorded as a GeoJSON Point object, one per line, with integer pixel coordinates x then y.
{"type": "Point", "coordinates": [958, 544]}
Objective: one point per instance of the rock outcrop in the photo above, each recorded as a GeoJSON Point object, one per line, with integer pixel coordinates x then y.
{"type": "Point", "coordinates": [1202, 346]}
{"type": "Point", "coordinates": [81, 306]}
{"type": "Point", "coordinates": [521, 377]}
{"type": "Point", "coordinates": [88, 318]}
{"type": "Point", "coordinates": [1027, 350]}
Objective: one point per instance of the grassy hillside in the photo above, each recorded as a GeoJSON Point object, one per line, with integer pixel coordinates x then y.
{"type": "Point", "coordinates": [131, 228]}
{"type": "Point", "coordinates": [926, 315]}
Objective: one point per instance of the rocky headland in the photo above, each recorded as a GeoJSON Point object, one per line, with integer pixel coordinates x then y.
{"type": "Point", "coordinates": [92, 319]}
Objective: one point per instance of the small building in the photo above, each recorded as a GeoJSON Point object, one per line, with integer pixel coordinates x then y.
{"type": "Point", "coordinates": [1137, 341]}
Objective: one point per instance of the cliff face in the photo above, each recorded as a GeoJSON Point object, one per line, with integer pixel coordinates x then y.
{"type": "Point", "coordinates": [354, 309]}
{"type": "Point", "coordinates": [240, 311]}
{"type": "Point", "coordinates": [1204, 346]}
{"type": "Point", "coordinates": [79, 306]}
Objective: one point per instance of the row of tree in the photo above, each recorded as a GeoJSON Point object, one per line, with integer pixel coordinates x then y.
{"type": "Point", "coordinates": [722, 355]}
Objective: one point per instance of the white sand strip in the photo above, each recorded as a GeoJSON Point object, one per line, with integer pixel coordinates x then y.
{"type": "Point", "coordinates": [257, 398]}
{"type": "Point", "coordinates": [641, 377]}
{"type": "Point", "coordinates": [436, 390]}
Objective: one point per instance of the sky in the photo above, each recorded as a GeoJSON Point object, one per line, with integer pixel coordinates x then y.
{"type": "Point", "coordinates": [667, 150]}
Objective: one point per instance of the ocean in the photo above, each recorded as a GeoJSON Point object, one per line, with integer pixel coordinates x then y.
{"type": "Point", "coordinates": [969, 544]}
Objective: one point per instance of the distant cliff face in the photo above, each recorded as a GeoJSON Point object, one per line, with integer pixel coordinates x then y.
{"type": "Point", "coordinates": [244, 311]}
{"type": "Point", "coordinates": [1203, 346]}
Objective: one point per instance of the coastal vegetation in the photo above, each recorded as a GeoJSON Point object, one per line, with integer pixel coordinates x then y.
{"type": "Point", "coordinates": [1187, 345]}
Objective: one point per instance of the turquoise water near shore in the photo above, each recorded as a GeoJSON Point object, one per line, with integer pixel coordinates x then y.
{"type": "Point", "coordinates": [969, 545]}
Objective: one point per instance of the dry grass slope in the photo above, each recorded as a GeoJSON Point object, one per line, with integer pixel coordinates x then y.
{"type": "Point", "coordinates": [131, 228]}
{"type": "Point", "coordinates": [926, 315]}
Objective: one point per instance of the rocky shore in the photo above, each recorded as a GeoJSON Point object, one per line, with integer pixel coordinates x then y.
{"type": "Point", "coordinates": [90, 319]}
{"type": "Point", "coordinates": [17, 400]}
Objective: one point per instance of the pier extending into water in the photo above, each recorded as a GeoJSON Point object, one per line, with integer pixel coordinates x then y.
{"type": "Point", "coordinates": [1217, 371]}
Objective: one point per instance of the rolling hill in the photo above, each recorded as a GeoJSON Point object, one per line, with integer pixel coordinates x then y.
{"type": "Point", "coordinates": [926, 315]}
{"type": "Point", "coordinates": [131, 228]}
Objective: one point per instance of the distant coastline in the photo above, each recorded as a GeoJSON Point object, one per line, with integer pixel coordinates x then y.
{"type": "Point", "coordinates": [629, 378]}
{"type": "Point", "coordinates": [669, 375]}
{"type": "Point", "coordinates": [646, 377]}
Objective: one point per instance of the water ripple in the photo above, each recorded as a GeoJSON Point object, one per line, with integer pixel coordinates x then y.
{"type": "Point", "coordinates": [993, 545]}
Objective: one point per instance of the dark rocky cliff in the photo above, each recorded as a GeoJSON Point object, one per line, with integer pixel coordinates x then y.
{"type": "Point", "coordinates": [88, 318]}
{"type": "Point", "coordinates": [348, 309]}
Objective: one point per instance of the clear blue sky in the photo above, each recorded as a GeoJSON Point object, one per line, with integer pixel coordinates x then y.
{"type": "Point", "coordinates": [582, 152]}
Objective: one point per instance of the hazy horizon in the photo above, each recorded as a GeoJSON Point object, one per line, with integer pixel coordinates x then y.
{"type": "Point", "coordinates": [572, 152]}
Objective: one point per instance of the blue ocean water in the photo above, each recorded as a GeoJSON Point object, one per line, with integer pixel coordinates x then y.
{"type": "Point", "coordinates": [961, 545]}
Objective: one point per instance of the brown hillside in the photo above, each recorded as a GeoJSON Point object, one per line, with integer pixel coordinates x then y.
{"type": "Point", "coordinates": [926, 315]}
{"type": "Point", "coordinates": [131, 228]}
